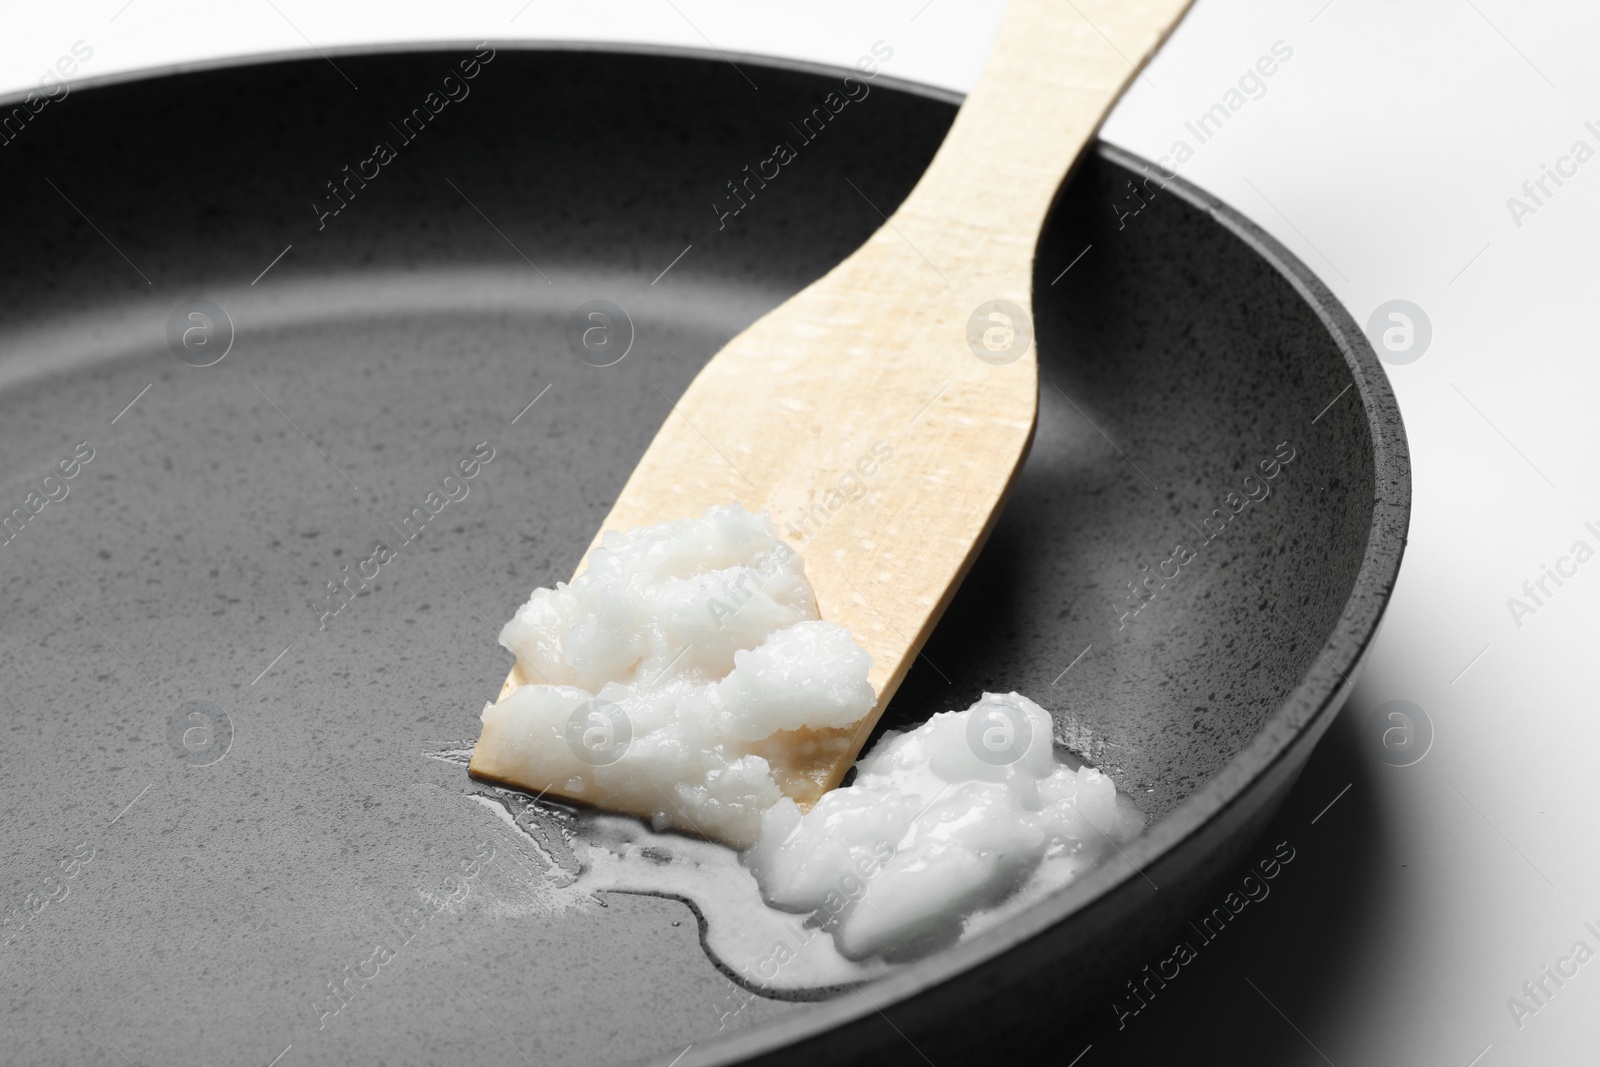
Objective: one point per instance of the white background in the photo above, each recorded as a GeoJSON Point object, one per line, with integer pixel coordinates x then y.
{"type": "Point", "coordinates": [1383, 153]}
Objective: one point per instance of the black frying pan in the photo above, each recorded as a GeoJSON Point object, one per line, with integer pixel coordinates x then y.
{"type": "Point", "coordinates": [219, 797]}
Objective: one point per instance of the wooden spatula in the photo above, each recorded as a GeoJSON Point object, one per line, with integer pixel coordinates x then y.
{"type": "Point", "coordinates": [912, 359]}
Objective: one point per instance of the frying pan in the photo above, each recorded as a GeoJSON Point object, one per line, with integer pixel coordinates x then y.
{"type": "Point", "coordinates": [234, 828]}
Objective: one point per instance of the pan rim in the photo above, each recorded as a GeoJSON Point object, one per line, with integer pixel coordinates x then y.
{"type": "Point", "coordinates": [771, 61]}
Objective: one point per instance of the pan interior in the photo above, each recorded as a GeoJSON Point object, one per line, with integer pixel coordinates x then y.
{"type": "Point", "coordinates": [223, 795]}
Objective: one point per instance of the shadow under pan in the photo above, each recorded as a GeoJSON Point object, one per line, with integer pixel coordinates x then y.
{"type": "Point", "coordinates": [218, 794]}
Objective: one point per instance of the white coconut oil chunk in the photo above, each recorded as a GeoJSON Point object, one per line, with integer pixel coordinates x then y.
{"type": "Point", "coordinates": [966, 814]}
{"type": "Point", "coordinates": [683, 677]}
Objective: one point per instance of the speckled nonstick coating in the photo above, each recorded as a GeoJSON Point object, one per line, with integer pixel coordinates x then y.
{"type": "Point", "coordinates": [192, 897]}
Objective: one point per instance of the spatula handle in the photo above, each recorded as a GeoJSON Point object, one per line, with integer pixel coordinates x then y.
{"type": "Point", "coordinates": [1055, 70]}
